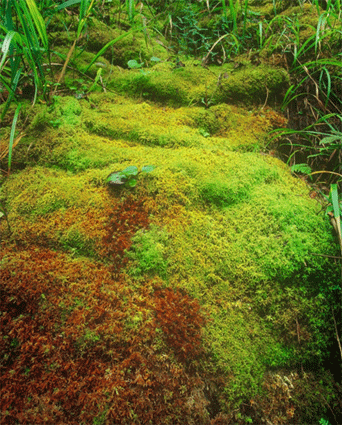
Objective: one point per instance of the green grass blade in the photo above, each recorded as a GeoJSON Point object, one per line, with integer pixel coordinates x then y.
{"type": "Point", "coordinates": [224, 8]}
{"type": "Point", "coordinates": [38, 21]}
{"type": "Point", "coordinates": [109, 44]}
{"type": "Point", "coordinates": [32, 40]}
{"type": "Point", "coordinates": [304, 48]}
{"type": "Point", "coordinates": [233, 13]}
{"type": "Point", "coordinates": [85, 10]}
{"type": "Point", "coordinates": [130, 9]}
{"type": "Point", "coordinates": [328, 89]}
{"type": "Point", "coordinates": [260, 34]}
{"type": "Point", "coordinates": [10, 146]}
{"type": "Point", "coordinates": [67, 4]}
{"type": "Point", "coordinates": [245, 19]}
{"type": "Point", "coordinates": [13, 88]}
{"type": "Point", "coordinates": [6, 45]}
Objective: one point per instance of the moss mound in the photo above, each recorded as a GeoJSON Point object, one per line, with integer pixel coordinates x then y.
{"type": "Point", "coordinates": [213, 222]}
{"type": "Point", "coordinates": [193, 84]}
{"type": "Point", "coordinates": [191, 294]}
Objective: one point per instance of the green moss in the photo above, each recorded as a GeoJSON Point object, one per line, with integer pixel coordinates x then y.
{"type": "Point", "coordinates": [218, 221]}
{"type": "Point", "coordinates": [77, 242]}
{"type": "Point", "coordinates": [40, 191]}
{"type": "Point", "coordinates": [67, 111]}
{"type": "Point", "coordinates": [149, 253]}
{"type": "Point", "coordinates": [133, 46]}
{"type": "Point", "coordinates": [193, 84]}
{"type": "Point", "coordinates": [239, 342]}
{"type": "Point", "coordinates": [253, 85]}
{"type": "Point", "coordinates": [161, 85]}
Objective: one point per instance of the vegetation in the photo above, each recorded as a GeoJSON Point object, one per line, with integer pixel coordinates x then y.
{"type": "Point", "coordinates": [202, 289]}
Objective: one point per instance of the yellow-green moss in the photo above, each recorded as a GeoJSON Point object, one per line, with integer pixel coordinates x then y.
{"type": "Point", "coordinates": [194, 84]}
{"type": "Point", "coordinates": [229, 226]}
{"type": "Point", "coordinates": [133, 46]}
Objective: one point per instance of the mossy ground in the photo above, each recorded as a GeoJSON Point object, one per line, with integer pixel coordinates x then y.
{"type": "Point", "coordinates": [205, 285]}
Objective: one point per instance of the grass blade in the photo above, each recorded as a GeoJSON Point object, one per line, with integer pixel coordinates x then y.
{"type": "Point", "coordinates": [334, 200]}
{"type": "Point", "coordinates": [110, 43]}
{"type": "Point", "coordinates": [10, 146]}
{"type": "Point", "coordinates": [38, 21]}
{"type": "Point", "coordinates": [13, 88]}
{"type": "Point", "coordinates": [67, 4]}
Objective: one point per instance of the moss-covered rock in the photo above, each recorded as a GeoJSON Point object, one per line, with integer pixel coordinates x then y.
{"type": "Point", "coordinates": [185, 298]}
{"type": "Point", "coordinates": [195, 84]}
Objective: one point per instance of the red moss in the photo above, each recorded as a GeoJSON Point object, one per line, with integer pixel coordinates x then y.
{"type": "Point", "coordinates": [181, 322]}
{"type": "Point", "coordinates": [124, 220]}
{"type": "Point", "coordinates": [68, 354]}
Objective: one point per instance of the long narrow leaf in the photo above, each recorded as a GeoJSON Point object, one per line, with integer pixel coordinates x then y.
{"type": "Point", "coordinates": [67, 4]}
{"type": "Point", "coordinates": [84, 13]}
{"type": "Point", "coordinates": [38, 21]}
{"type": "Point", "coordinates": [328, 91]}
{"type": "Point", "coordinates": [14, 84]}
{"type": "Point", "coordinates": [320, 26]}
{"type": "Point", "coordinates": [115, 40]}
{"type": "Point", "coordinates": [10, 146]}
{"type": "Point", "coordinates": [23, 14]}
{"type": "Point", "coordinates": [334, 200]}
{"type": "Point", "coordinates": [6, 45]}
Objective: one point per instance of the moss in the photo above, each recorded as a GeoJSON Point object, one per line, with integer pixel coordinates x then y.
{"type": "Point", "coordinates": [254, 85]}
{"type": "Point", "coordinates": [149, 249]}
{"type": "Point", "coordinates": [39, 191]}
{"type": "Point", "coordinates": [133, 46]}
{"type": "Point", "coordinates": [197, 85]}
{"type": "Point", "coordinates": [220, 229]}
{"type": "Point", "coordinates": [158, 84]}
{"type": "Point", "coordinates": [239, 341]}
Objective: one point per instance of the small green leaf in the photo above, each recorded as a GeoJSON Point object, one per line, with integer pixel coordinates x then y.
{"type": "Point", "coordinates": [132, 182]}
{"type": "Point", "coordinates": [301, 168]}
{"type": "Point", "coordinates": [147, 168]}
{"type": "Point", "coordinates": [132, 170]}
{"type": "Point", "coordinates": [155, 59]}
{"type": "Point", "coordinates": [133, 64]}
{"type": "Point", "coordinates": [116, 178]}
{"type": "Point", "coordinates": [203, 132]}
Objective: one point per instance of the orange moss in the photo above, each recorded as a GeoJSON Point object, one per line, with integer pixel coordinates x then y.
{"type": "Point", "coordinates": [181, 322]}
{"type": "Point", "coordinates": [124, 220]}
{"type": "Point", "coordinates": [68, 354]}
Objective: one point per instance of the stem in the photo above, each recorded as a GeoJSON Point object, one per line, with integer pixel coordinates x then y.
{"type": "Point", "coordinates": [337, 336]}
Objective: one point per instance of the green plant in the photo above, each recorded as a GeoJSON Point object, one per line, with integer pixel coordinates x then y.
{"type": "Point", "coordinates": [312, 101]}
{"type": "Point", "coordinates": [301, 168]}
{"type": "Point", "coordinates": [133, 64]}
{"type": "Point", "coordinates": [24, 45]}
{"type": "Point", "coordinates": [324, 422]}
{"type": "Point", "coordinates": [334, 211]}
{"type": "Point", "coordinates": [127, 177]}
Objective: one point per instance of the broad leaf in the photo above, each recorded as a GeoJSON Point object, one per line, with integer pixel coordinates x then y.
{"type": "Point", "coordinates": [147, 168]}
{"type": "Point", "coordinates": [134, 64]}
{"type": "Point", "coordinates": [132, 170]}
{"type": "Point", "coordinates": [116, 178]}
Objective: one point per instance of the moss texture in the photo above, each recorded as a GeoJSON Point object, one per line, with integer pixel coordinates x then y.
{"type": "Point", "coordinates": [224, 223]}
{"type": "Point", "coordinates": [230, 227]}
{"type": "Point", "coordinates": [204, 285]}
{"type": "Point", "coordinates": [194, 84]}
